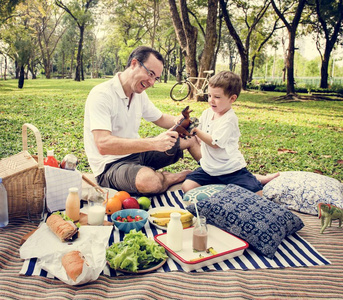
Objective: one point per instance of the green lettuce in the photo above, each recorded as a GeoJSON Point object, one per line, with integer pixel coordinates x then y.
{"type": "Point", "coordinates": [135, 252]}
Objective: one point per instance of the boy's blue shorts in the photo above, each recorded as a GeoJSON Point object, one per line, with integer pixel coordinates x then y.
{"type": "Point", "coordinates": [241, 177]}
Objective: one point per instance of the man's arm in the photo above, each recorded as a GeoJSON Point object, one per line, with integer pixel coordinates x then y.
{"type": "Point", "coordinates": [167, 121]}
{"type": "Point", "coordinates": [108, 144]}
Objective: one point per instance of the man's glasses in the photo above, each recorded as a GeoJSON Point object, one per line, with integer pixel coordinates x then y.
{"type": "Point", "coordinates": [150, 73]}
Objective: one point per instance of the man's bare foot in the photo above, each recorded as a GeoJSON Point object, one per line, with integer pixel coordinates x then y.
{"type": "Point", "coordinates": [176, 177]}
{"type": "Point", "coordinates": [264, 179]}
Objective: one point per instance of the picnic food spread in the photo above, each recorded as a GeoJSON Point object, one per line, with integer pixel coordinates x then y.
{"type": "Point", "coordinates": [72, 262]}
{"type": "Point", "coordinates": [65, 230]}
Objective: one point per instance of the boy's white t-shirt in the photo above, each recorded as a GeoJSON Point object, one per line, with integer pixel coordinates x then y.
{"type": "Point", "coordinates": [225, 133]}
{"type": "Point", "coordinates": [107, 109]}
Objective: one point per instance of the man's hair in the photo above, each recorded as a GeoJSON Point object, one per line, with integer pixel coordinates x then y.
{"type": "Point", "coordinates": [230, 82]}
{"type": "Point", "coordinates": [142, 54]}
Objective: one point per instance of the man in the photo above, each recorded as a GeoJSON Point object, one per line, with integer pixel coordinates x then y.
{"type": "Point", "coordinates": [118, 157]}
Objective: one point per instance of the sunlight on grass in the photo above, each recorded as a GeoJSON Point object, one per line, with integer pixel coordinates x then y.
{"type": "Point", "coordinates": [276, 135]}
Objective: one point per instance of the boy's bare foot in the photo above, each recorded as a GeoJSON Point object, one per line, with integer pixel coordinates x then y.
{"type": "Point", "coordinates": [264, 179]}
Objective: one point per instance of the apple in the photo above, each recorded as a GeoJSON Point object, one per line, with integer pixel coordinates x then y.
{"type": "Point", "coordinates": [130, 203]}
{"type": "Point", "coordinates": [144, 203]}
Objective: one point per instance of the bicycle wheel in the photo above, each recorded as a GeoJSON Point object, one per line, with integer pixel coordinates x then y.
{"type": "Point", "coordinates": [180, 91]}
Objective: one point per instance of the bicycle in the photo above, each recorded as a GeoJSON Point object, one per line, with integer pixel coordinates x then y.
{"type": "Point", "coordinates": [182, 89]}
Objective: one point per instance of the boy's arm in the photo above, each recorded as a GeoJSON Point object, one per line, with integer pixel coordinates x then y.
{"type": "Point", "coordinates": [204, 136]}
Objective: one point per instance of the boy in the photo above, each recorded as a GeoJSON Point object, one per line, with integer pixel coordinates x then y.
{"type": "Point", "coordinates": [221, 161]}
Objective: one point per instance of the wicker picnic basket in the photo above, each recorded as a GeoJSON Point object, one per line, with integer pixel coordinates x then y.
{"type": "Point", "coordinates": [24, 180]}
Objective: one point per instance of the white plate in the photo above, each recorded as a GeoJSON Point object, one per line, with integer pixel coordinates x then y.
{"type": "Point", "coordinates": [225, 244]}
{"type": "Point", "coordinates": [156, 209]}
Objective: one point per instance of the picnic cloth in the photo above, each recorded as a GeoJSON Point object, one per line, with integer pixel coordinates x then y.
{"type": "Point", "coordinates": [294, 251]}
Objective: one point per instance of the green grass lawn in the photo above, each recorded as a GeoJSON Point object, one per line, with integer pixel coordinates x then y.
{"type": "Point", "coordinates": [276, 135]}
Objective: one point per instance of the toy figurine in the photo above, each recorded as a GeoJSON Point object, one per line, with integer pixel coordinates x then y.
{"type": "Point", "coordinates": [186, 124]}
{"type": "Point", "coordinates": [327, 213]}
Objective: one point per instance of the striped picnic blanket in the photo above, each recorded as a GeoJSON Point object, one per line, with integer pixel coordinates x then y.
{"type": "Point", "coordinates": [294, 251]}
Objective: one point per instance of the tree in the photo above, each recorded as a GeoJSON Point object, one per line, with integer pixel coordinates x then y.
{"type": "Point", "coordinates": [252, 14]}
{"type": "Point", "coordinates": [290, 15]}
{"type": "Point", "coordinates": [330, 17]}
{"type": "Point", "coordinates": [186, 34]}
{"type": "Point", "coordinates": [80, 11]}
{"type": "Point", "coordinates": [6, 9]}
{"type": "Point", "coordinates": [49, 32]}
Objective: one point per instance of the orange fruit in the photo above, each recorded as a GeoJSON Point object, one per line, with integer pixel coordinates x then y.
{"type": "Point", "coordinates": [122, 195]}
{"type": "Point", "coordinates": [113, 205]}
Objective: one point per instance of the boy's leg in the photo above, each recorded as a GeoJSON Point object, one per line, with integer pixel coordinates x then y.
{"type": "Point", "coordinates": [243, 178]}
{"type": "Point", "coordinates": [197, 178]}
{"type": "Point", "coordinates": [264, 179]}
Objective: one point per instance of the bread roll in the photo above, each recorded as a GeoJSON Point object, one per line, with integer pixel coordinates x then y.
{"type": "Point", "coordinates": [64, 230]}
{"type": "Point", "coordinates": [73, 264]}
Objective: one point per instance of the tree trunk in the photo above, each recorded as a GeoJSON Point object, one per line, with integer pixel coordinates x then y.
{"type": "Point", "coordinates": [291, 28]}
{"type": "Point", "coordinates": [180, 67]}
{"type": "Point", "coordinates": [5, 70]}
{"type": "Point", "coordinates": [63, 58]}
{"type": "Point", "coordinates": [78, 56]}
{"type": "Point", "coordinates": [290, 64]}
{"type": "Point", "coordinates": [186, 35]}
{"type": "Point", "coordinates": [47, 67]}
{"type": "Point", "coordinates": [21, 77]}
{"type": "Point", "coordinates": [210, 44]}
{"type": "Point", "coordinates": [241, 49]}
{"type": "Point", "coordinates": [324, 70]}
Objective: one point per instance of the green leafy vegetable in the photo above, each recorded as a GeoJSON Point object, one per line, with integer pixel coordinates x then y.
{"type": "Point", "coordinates": [66, 218]}
{"type": "Point", "coordinates": [135, 252]}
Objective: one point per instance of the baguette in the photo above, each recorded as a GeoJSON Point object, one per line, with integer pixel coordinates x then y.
{"type": "Point", "coordinates": [64, 230]}
{"type": "Point", "coordinates": [73, 264]}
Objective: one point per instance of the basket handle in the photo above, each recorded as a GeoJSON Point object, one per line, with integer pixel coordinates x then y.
{"type": "Point", "coordinates": [38, 141]}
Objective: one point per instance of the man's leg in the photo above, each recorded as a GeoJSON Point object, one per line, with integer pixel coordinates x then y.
{"type": "Point", "coordinates": [149, 181]}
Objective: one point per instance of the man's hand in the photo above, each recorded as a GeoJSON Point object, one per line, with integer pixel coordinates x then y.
{"type": "Point", "coordinates": [166, 140]}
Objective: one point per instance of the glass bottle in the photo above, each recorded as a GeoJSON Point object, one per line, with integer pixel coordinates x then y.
{"type": "Point", "coordinates": [3, 205]}
{"type": "Point", "coordinates": [73, 204]}
{"type": "Point", "coordinates": [175, 232]}
{"type": "Point", "coordinates": [50, 160]}
{"type": "Point", "coordinates": [200, 234]}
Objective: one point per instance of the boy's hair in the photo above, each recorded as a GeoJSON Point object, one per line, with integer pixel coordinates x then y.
{"type": "Point", "coordinates": [230, 82]}
{"type": "Point", "coordinates": [142, 54]}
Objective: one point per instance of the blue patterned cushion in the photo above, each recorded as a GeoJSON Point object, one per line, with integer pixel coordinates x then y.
{"type": "Point", "coordinates": [202, 192]}
{"type": "Point", "coordinates": [258, 221]}
{"type": "Point", "coordinates": [302, 191]}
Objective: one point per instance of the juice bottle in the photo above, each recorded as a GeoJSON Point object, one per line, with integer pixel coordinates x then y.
{"type": "Point", "coordinates": [50, 160]}
{"type": "Point", "coordinates": [73, 204]}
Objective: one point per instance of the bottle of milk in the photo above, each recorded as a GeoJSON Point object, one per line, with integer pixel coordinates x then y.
{"type": "Point", "coordinates": [175, 232]}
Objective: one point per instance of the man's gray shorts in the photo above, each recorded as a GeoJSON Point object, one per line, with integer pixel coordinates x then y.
{"type": "Point", "coordinates": [121, 174]}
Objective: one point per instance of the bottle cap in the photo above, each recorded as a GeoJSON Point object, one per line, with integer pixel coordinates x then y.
{"type": "Point", "coordinates": [175, 215]}
{"type": "Point", "coordinates": [50, 153]}
{"type": "Point", "coordinates": [73, 190]}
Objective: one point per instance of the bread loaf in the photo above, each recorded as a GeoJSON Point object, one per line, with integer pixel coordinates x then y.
{"type": "Point", "coordinates": [73, 264]}
{"type": "Point", "coordinates": [64, 230]}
